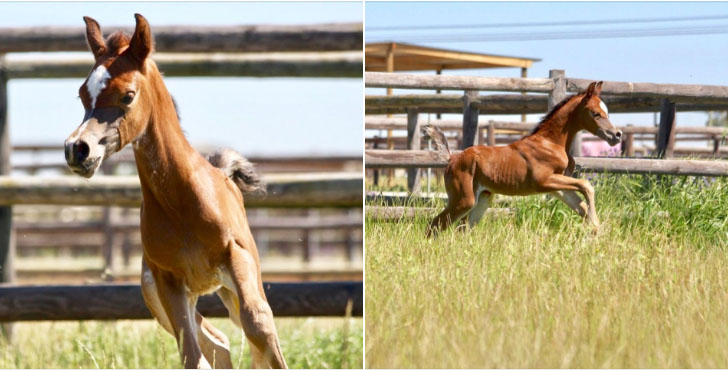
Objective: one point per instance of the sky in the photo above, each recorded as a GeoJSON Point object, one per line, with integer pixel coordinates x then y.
{"type": "Point", "coordinates": [670, 59]}
{"type": "Point", "coordinates": [319, 116]}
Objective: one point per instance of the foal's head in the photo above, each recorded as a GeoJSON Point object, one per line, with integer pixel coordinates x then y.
{"type": "Point", "coordinates": [594, 116]}
{"type": "Point", "coordinates": [112, 95]}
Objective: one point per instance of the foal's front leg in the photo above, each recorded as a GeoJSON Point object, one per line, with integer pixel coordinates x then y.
{"type": "Point", "coordinates": [176, 303]}
{"type": "Point", "coordinates": [565, 183]}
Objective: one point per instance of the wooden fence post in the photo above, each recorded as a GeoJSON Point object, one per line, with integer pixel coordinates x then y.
{"type": "Point", "coordinates": [716, 146]}
{"type": "Point", "coordinates": [376, 170]}
{"type": "Point", "coordinates": [7, 235]}
{"type": "Point", "coordinates": [555, 97]}
{"type": "Point", "coordinates": [470, 118]}
{"type": "Point", "coordinates": [307, 246]}
{"type": "Point", "coordinates": [628, 150]}
{"type": "Point", "coordinates": [666, 131]}
{"type": "Point", "coordinates": [109, 243]}
{"type": "Point", "coordinates": [413, 143]}
{"type": "Point", "coordinates": [491, 133]}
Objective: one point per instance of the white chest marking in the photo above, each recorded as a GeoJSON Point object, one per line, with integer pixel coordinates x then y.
{"type": "Point", "coordinates": [97, 82]}
{"type": "Point", "coordinates": [604, 107]}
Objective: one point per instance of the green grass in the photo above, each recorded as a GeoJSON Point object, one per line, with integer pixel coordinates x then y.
{"type": "Point", "coordinates": [538, 289]}
{"type": "Point", "coordinates": [306, 343]}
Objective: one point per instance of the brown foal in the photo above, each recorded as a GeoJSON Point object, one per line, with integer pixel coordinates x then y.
{"type": "Point", "coordinates": [537, 163]}
{"type": "Point", "coordinates": [194, 228]}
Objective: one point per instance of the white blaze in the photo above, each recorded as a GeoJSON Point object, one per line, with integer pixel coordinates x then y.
{"type": "Point", "coordinates": [97, 82]}
{"type": "Point", "coordinates": [604, 107]}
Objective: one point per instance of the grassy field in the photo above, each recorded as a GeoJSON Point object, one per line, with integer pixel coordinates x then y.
{"type": "Point", "coordinates": [538, 289]}
{"type": "Point", "coordinates": [306, 343]}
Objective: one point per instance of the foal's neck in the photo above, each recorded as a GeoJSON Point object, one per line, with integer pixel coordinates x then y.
{"type": "Point", "coordinates": [163, 154]}
{"type": "Point", "coordinates": [562, 126]}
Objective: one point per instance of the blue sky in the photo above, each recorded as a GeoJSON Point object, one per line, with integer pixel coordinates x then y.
{"type": "Point", "coordinates": [319, 116]}
{"type": "Point", "coordinates": [671, 59]}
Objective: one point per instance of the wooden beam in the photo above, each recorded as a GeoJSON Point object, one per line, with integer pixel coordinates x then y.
{"type": "Point", "coordinates": [124, 302]}
{"type": "Point", "coordinates": [675, 92]}
{"type": "Point", "coordinates": [7, 238]}
{"type": "Point", "coordinates": [666, 134]}
{"type": "Point", "coordinates": [470, 118]}
{"type": "Point", "coordinates": [414, 138]}
{"type": "Point", "coordinates": [510, 104]}
{"type": "Point", "coordinates": [433, 159]}
{"type": "Point", "coordinates": [331, 64]}
{"type": "Point", "coordinates": [441, 82]}
{"type": "Point", "coordinates": [502, 61]}
{"type": "Point", "coordinates": [7, 234]}
{"type": "Point", "coordinates": [196, 39]}
{"type": "Point", "coordinates": [284, 191]}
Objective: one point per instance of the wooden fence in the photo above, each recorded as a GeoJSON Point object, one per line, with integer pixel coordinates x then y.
{"type": "Point", "coordinates": [620, 96]}
{"type": "Point", "coordinates": [433, 159]}
{"type": "Point", "coordinates": [500, 132]}
{"type": "Point", "coordinates": [267, 164]}
{"type": "Point", "coordinates": [196, 39]}
{"type": "Point", "coordinates": [324, 190]}
{"type": "Point", "coordinates": [329, 64]}
{"type": "Point", "coordinates": [116, 302]}
{"type": "Point", "coordinates": [305, 51]}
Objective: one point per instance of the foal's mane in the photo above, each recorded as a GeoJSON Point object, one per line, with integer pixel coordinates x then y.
{"type": "Point", "coordinates": [553, 112]}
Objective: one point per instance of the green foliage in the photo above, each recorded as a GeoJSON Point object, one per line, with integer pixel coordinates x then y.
{"type": "Point", "coordinates": [538, 288]}
{"type": "Point", "coordinates": [306, 343]}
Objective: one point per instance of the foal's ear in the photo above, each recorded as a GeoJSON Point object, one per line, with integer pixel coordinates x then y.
{"type": "Point", "coordinates": [94, 37]}
{"type": "Point", "coordinates": [141, 43]}
{"type": "Point", "coordinates": [590, 91]}
{"type": "Point", "coordinates": [598, 88]}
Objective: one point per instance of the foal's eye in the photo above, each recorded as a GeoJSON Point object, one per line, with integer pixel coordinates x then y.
{"type": "Point", "coordinates": [596, 115]}
{"type": "Point", "coordinates": [128, 97]}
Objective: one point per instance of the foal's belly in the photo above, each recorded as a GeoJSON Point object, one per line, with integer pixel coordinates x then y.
{"type": "Point", "coordinates": [198, 263]}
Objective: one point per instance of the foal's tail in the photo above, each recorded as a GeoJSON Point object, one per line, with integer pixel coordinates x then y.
{"type": "Point", "coordinates": [238, 169]}
{"type": "Point", "coordinates": [434, 133]}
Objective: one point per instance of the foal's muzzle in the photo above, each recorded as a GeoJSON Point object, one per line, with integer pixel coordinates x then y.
{"type": "Point", "coordinates": [95, 140]}
{"type": "Point", "coordinates": [613, 137]}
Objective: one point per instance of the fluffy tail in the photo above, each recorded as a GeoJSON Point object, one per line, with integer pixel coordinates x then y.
{"type": "Point", "coordinates": [434, 133]}
{"type": "Point", "coordinates": [238, 169]}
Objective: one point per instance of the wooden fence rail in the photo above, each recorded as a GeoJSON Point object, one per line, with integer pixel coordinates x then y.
{"type": "Point", "coordinates": [674, 92]}
{"type": "Point", "coordinates": [433, 159]}
{"type": "Point", "coordinates": [440, 82]}
{"type": "Point", "coordinates": [514, 104]}
{"type": "Point", "coordinates": [252, 38]}
{"type": "Point", "coordinates": [284, 191]}
{"type": "Point", "coordinates": [395, 123]}
{"type": "Point", "coordinates": [123, 302]}
{"type": "Point", "coordinates": [330, 64]}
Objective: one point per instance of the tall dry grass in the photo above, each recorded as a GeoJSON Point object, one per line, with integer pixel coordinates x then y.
{"type": "Point", "coordinates": [306, 343]}
{"type": "Point", "coordinates": [539, 289]}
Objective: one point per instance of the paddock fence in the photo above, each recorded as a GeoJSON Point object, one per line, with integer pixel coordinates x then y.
{"type": "Point", "coordinates": [666, 99]}
{"type": "Point", "coordinates": [124, 301]}
{"type": "Point", "coordinates": [324, 50]}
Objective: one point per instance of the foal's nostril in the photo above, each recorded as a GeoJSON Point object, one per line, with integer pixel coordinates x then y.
{"type": "Point", "coordinates": [80, 151]}
{"type": "Point", "coordinates": [618, 134]}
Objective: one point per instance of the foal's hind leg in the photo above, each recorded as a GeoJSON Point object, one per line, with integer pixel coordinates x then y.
{"type": "Point", "coordinates": [214, 344]}
{"type": "Point", "coordinates": [256, 316]}
{"type": "Point", "coordinates": [482, 205]}
{"type": "Point", "coordinates": [451, 214]}
{"type": "Point", "coordinates": [460, 201]}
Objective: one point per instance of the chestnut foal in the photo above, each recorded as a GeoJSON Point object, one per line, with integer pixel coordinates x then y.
{"type": "Point", "coordinates": [194, 228]}
{"type": "Point", "coordinates": [537, 163]}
